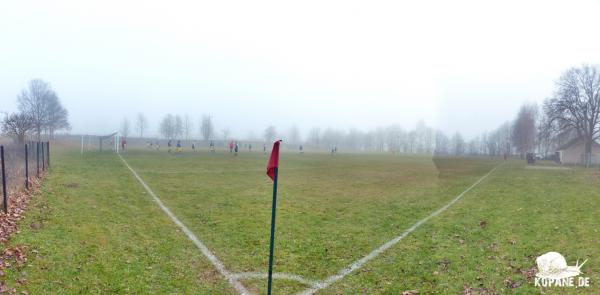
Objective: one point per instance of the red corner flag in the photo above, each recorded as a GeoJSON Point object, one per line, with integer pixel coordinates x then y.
{"type": "Point", "coordinates": [272, 171]}
{"type": "Point", "coordinates": [274, 160]}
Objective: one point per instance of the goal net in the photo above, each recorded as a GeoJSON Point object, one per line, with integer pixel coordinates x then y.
{"type": "Point", "coordinates": [96, 143]}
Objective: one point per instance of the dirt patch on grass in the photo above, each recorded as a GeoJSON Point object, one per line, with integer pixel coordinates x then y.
{"type": "Point", "coordinates": [596, 175]}
{"type": "Point", "coordinates": [72, 185]}
{"type": "Point", "coordinates": [36, 225]}
{"type": "Point", "coordinates": [209, 275]}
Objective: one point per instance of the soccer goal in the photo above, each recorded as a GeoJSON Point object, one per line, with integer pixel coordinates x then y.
{"type": "Point", "coordinates": [99, 143]}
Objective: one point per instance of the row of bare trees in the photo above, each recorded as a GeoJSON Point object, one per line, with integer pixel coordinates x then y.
{"type": "Point", "coordinates": [572, 112]}
{"type": "Point", "coordinates": [172, 127]}
{"type": "Point", "coordinates": [39, 112]}
{"type": "Point", "coordinates": [392, 138]}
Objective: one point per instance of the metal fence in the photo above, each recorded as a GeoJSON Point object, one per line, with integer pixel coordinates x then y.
{"type": "Point", "coordinates": [20, 164]}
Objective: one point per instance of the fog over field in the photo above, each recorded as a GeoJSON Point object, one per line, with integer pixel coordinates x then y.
{"type": "Point", "coordinates": [339, 64]}
{"type": "Point", "coordinates": [299, 147]}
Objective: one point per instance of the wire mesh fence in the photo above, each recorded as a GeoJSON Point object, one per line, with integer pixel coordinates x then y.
{"type": "Point", "coordinates": [20, 164]}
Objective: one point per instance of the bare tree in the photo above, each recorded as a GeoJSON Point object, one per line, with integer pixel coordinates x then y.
{"type": "Point", "coordinates": [379, 139]}
{"type": "Point", "coordinates": [394, 136]}
{"type": "Point", "coordinates": [207, 128]}
{"type": "Point", "coordinates": [125, 127]}
{"type": "Point", "coordinates": [56, 115]}
{"type": "Point", "coordinates": [491, 145]}
{"type": "Point", "coordinates": [458, 144]}
{"type": "Point", "coordinates": [42, 105]}
{"type": "Point", "coordinates": [411, 142]}
{"type": "Point", "coordinates": [473, 146]}
{"type": "Point", "coordinates": [428, 140]}
{"type": "Point", "coordinates": [353, 139]}
{"type": "Point", "coordinates": [17, 125]}
{"type": "Point", "coordinates": [226, 132]}
{"type": "Point", "coordinates": [367, 141]}
{"type": "Point", "coordinates": [187, 126]}
{"type": "Point", "coordinates": [576, 105]}
{"type": "Point", "coordinates": [524, 129]}
{"type": "Point", "coordinates": [167, 127]}
{"type": "Point", "coordinates": [178, 127]}
{"type": "Point", "coordinates": [424, 138]}
{"type": "Point", "coordinates": [442, 143]}
{"type": "Point", "coordinates": [314, 136]}
{"type": "Point", "coordinates": [141, 124]}
{"type": "Point", "coordinates": [294, 136]}
{"type": "Point", "coordinates": [483, 149]}
{"type": "Point", "coordinates": [34, 102]}
{"type": "Point", "coordinates": [332, 137]}
{"type": "Point", "coordinates": [548, 138]}
{"type": "Point", "coordinates": [270, 134]}
{"type": "Point", "coordinates": [496, 143]}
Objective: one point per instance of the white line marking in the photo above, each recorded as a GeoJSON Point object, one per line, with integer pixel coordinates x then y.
{"type": "Point", "coordinates": [359, 263]}
{"type": "Point", "coordinates": [281, 276]}
{"type": "Point", "coordinates": [211, 257]}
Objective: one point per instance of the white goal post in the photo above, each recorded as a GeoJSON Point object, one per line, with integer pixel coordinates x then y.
{"type": "Point", "coordinates": [100, 143]}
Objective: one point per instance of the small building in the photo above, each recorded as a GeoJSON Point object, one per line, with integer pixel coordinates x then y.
{"type": "Point", "coordinates": [573, 152]}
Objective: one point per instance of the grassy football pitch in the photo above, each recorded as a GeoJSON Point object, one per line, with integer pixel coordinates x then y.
{"type": "Point", "coordinates": [97, 230]}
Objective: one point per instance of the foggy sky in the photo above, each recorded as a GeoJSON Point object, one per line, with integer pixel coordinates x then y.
{"type": "Point", "coordinates": [459, 65]}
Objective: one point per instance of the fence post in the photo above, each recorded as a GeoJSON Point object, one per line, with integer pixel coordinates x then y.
{"type": "Point", "coordinates": [37, 158]}
{"type": "Point", "coordinates": [43, 160]}
{"type": "Point", "coordinates": [26, 166]}
{"type": "Point", "coordinates": [5, 196]}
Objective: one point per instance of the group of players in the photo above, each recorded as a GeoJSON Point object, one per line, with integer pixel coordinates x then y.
{"type": "Point", "coordinates": [234, 147]}
{"type": "Point", "coordinates": [177, 147]}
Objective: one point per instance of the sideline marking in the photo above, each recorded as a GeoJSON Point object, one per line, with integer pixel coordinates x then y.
{"type": "Point", "coordinates": [207, 253]}
{"type": "Point", "coordinates": [359, 263]}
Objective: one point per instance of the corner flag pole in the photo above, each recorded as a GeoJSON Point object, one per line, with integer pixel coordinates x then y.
{"type": "Point", "coordinates": [273, 172]}
{"type": "Point", "coordinates": [271, 245]}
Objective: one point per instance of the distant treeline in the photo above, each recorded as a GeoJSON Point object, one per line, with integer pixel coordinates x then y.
{"type": "Point", "coordinates": [573, 111]}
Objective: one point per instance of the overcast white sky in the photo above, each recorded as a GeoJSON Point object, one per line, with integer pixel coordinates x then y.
{"type": "Point", "coordinates": [459, 65]}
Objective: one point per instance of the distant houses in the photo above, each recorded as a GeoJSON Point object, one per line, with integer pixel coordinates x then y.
{"type": "Point", "coordinates": [573, 152]}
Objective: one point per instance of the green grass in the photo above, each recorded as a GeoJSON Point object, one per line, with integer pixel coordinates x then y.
{"type": "Point", "coordinates": [326, 209]}
{"type": "Point", "coordinates": [102, 233]}
{"type": "Point", "coordinates": [527, 213]}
